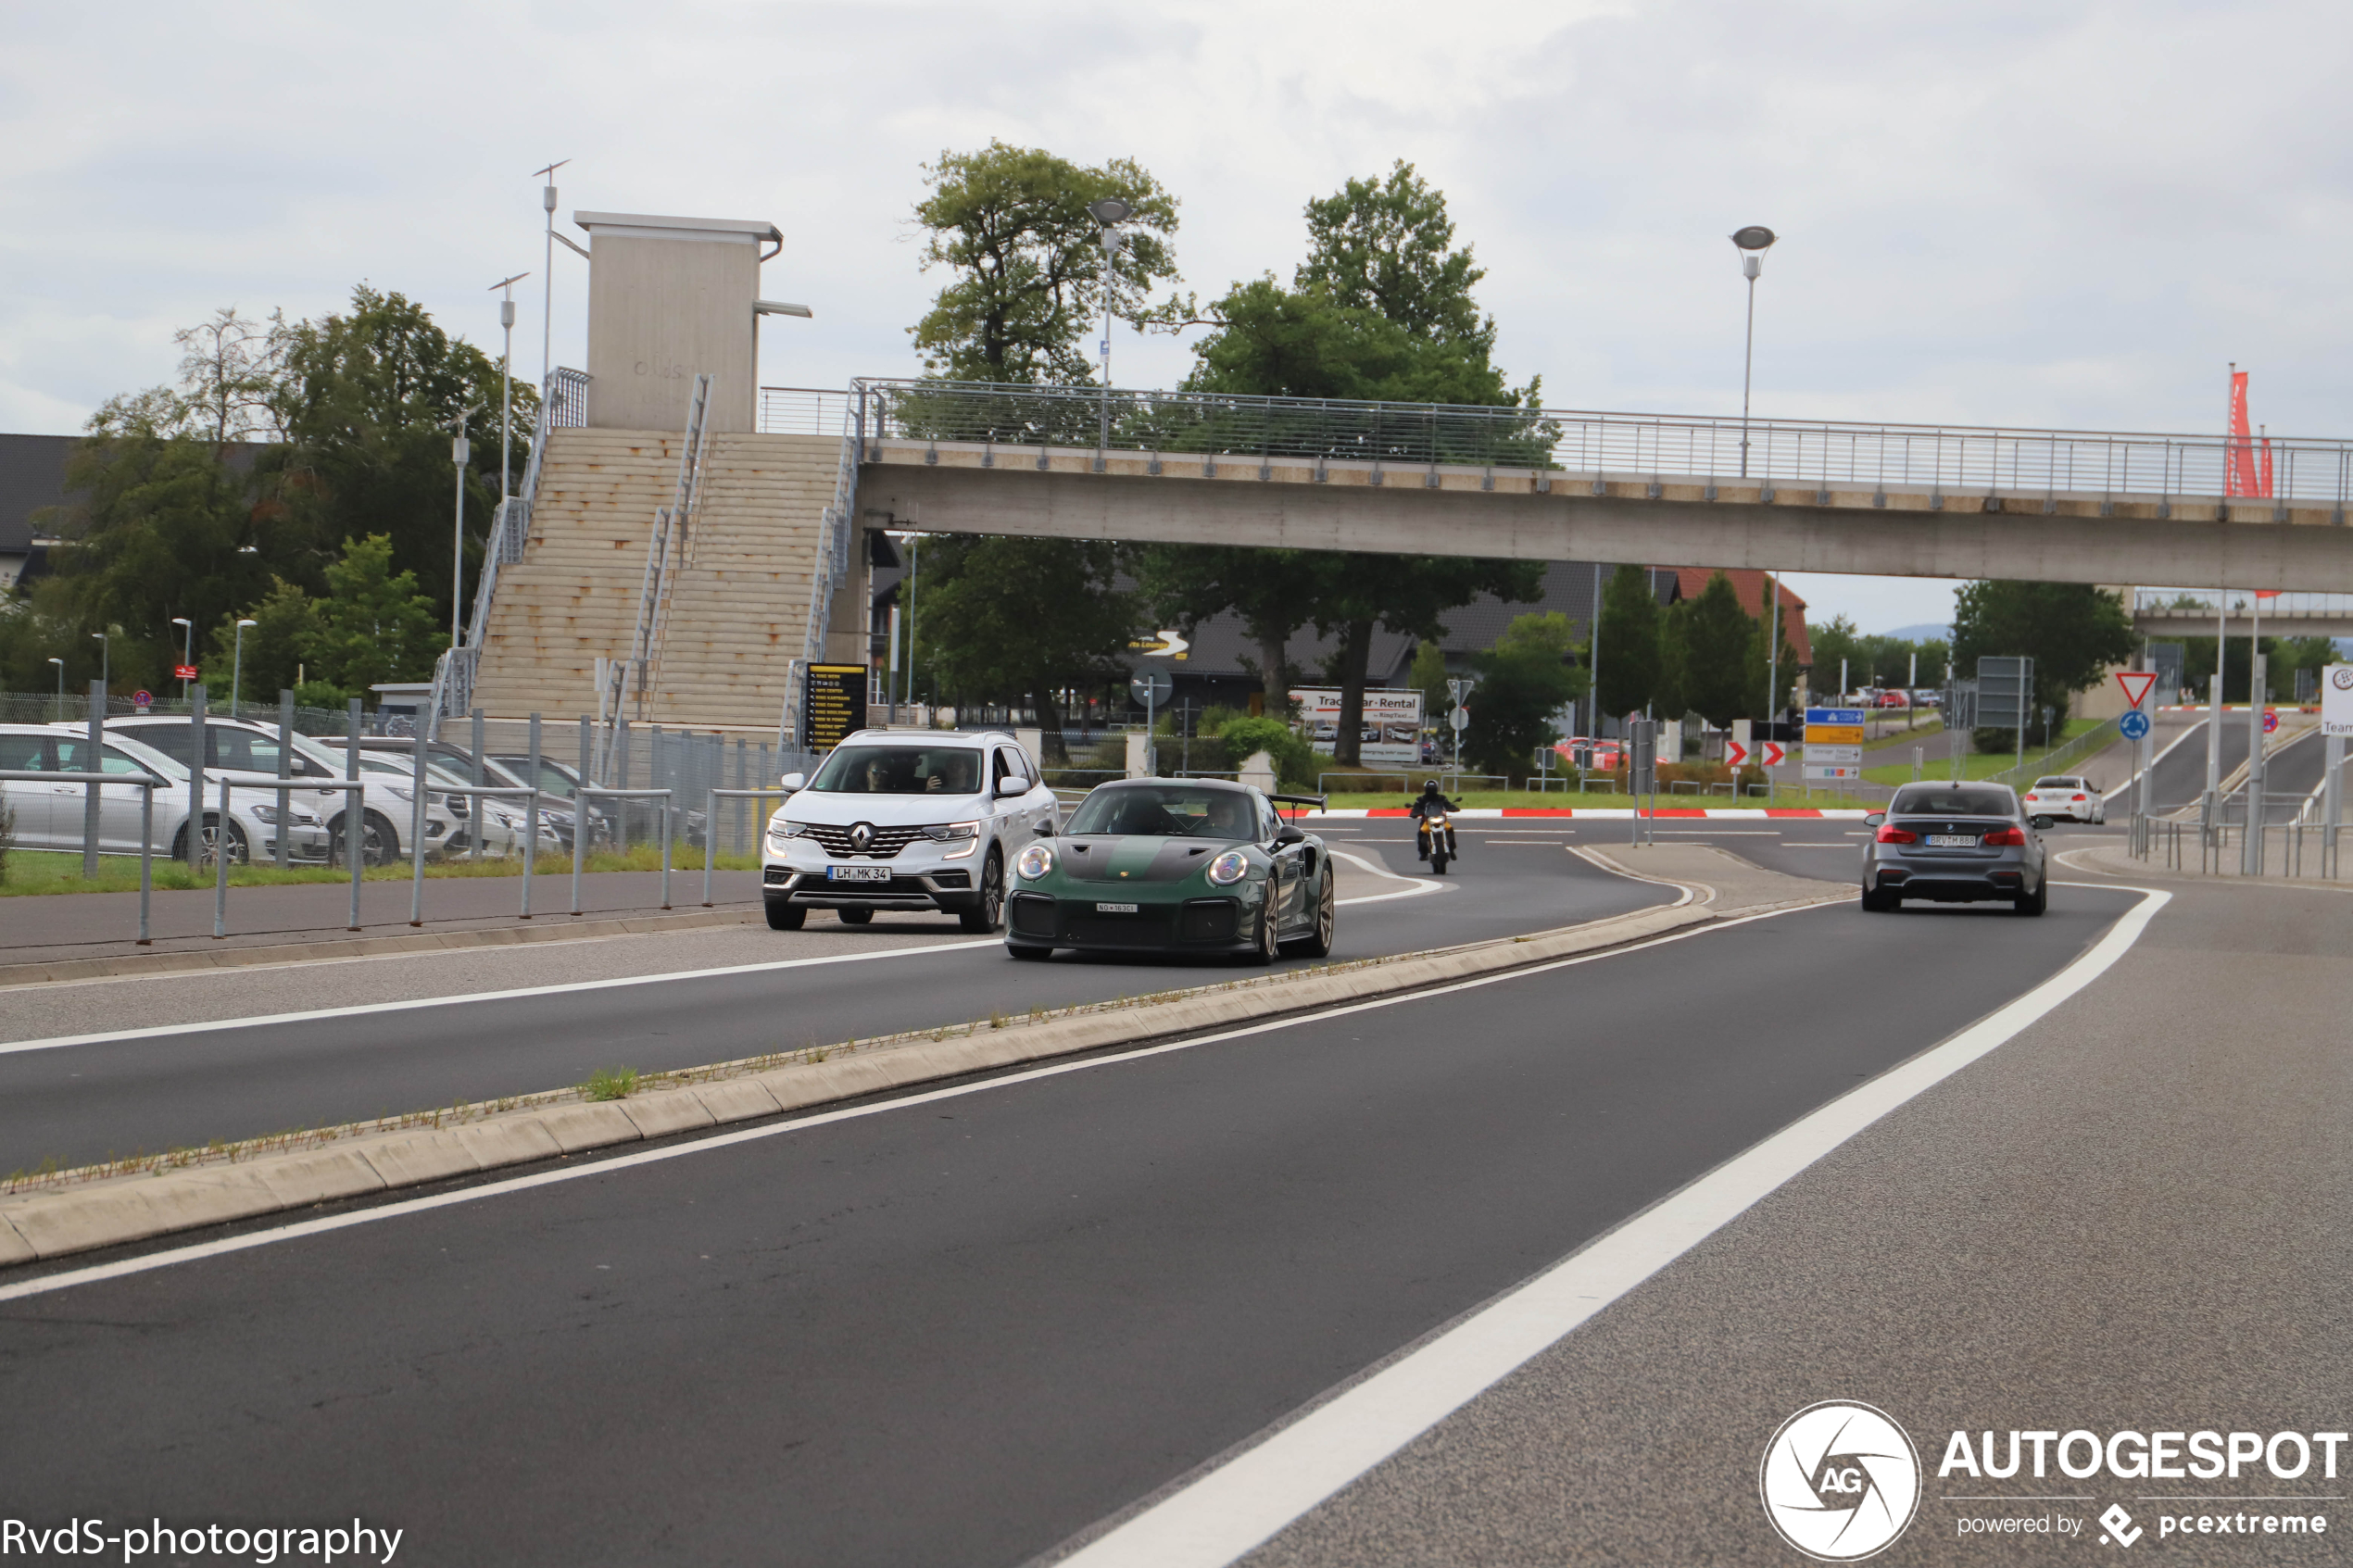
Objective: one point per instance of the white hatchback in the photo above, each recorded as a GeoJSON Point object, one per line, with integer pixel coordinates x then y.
{"type": "Point", "coordinates": [921, 819]}
{"type": "Point", "coordinates": [2064, 797]}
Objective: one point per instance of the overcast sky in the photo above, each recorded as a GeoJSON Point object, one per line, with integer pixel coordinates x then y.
{"type": "Point", "coordinates": [2045, 213]}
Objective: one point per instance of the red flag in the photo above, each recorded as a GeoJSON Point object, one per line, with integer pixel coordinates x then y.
{"type": "Point", "coordinates": [2239, 477]}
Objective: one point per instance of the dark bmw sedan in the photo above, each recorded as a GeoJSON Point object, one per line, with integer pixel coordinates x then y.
{"type": "Point", "coordinates": [1953, 843]}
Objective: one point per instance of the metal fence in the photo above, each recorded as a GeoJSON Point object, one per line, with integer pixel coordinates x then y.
{"type": "Point", "coordinates": [1956, 461]}
{"type": "Point", "coordinates": [2099, 737]}
{"type": "Point", "coordinates": [46, 707]}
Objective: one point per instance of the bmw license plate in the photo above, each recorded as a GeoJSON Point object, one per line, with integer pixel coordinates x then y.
{"type": "Point", "coordinates": [1952, 841]}
{"type": "Point", "coordinates": [857, 873]}
{"type": "Point", "coordinates": [1115, 908]}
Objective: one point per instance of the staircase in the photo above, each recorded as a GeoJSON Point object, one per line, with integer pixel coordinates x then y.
{"type": "Point", "coordinates": [740, 601]}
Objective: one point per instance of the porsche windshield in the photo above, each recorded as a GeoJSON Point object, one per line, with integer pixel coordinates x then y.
{"type": "Point", "coordinates": [1164, 811]}
{"type": "Point", "coordinates": [901, 770]}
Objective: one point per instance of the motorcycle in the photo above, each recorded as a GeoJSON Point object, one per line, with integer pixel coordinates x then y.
{"type": "Point", "coordinates": [1438, 841]}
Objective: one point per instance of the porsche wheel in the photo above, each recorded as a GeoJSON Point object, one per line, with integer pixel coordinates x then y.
{"type": "Point", "coordinates": [1318, 942]}
{"type": "Point", "coordinates": [1265, 945]}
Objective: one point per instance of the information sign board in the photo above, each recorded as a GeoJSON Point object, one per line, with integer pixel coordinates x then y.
{"type": "Point", "coordinates": [2336, 700]}
{"type": "Point", "coordinates": [833, 704]}
{"type": "Point", "coordinates": [1833, 716]}
{"type": "Point", "coordinates": [183, 672]}
{"type": "Point", "coordinates": [1392, 725]}
{"type": "Point", "coordinates": [1834, 734]}
{"type": "Point", "coordinates": [1846, 756]}
{"type": "Point", "coordinates": [1830, 773]}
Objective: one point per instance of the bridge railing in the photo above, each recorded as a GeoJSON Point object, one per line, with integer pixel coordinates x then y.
{"type": "Point", "coordinates": [2191, 604]}
{"type": "Point", "coordinates": [1956, 461]}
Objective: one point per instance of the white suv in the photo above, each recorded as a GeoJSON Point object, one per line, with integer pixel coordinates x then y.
{"type": "Point", "coordinates": [905, 820]}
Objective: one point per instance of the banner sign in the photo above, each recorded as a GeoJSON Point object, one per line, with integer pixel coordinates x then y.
{"type": "Point", "coordinates": [2336, 700]}
{"type": "Point", "coordinates": [833, 704]}
{"type": "Point", "coordinates": [1392, 730]}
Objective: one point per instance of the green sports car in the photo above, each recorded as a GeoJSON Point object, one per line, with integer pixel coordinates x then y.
{"type": "Point", "coordinates": [1174, 866]}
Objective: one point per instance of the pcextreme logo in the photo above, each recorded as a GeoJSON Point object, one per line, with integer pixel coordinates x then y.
{"type": "Point", "coordinates": [1840, 1480]}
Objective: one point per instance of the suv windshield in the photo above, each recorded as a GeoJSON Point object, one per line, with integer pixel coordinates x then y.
{"type": "Point", "coordinates": [1165, 811]}
{"type": "Point", "coordinates": [901, 770]}
{"type": "Point", "coordinates": [1952, 801]}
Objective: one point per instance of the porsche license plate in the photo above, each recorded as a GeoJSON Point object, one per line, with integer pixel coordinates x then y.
{"type": "Point", "coordinates": [1952, 841]}
{"type": "Point", "coordinates": [857, 873]}
{"type": "Point", "coordinates": [1115, 908]}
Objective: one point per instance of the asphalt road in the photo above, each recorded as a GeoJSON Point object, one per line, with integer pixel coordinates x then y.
{"type": "Point", "coordinates": [958, 1329]}
{"type": "Point", "coordinates": [80, 1103]}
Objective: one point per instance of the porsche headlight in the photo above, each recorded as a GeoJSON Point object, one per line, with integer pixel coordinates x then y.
{"type": "Point", "coordinates": [1228, 868]}
{"type": "Point", "coordinates": [1034, 862]}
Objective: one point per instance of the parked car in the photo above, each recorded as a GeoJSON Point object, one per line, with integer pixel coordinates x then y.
{"type": "Point", "coordinates": [1595, 755]}
{"type": "Point", "coordinates": [2065, 795]}
{"type": "Point", "coordinates": [454, 765]}
{"type": "Point", "coordinates": [504, 818]}
{"type": "Point", "coordinates": [562, 783]}
{"type": "Point", "coordinates": [241, 746]}
{"type": "Point", "coordinates": [51, 816]}
{"type": "Point", "coordinates": [895, 821]}
{"type": "Point", "coordinates": [1953, 843]}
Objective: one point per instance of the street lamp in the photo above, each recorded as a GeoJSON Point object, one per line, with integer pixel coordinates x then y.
{"type": "Point", "coordinates": [506, 377]}
{"type": "Point", "coordinates": [188, 651]}
{"type": "Point", "coordinates": [61, 688]}
{"type": "Point", "coordinates": [548, 294]}
{"type": "Point", "coordinates": [1110, 212]}
{"type": "Point", "coordinates": [1754, 242]}
{"type": "Point", "coordinates": [237, 667]}
{"type": "Point", "coordinates": [106, 659]}
{"type": "Point", "coordinates": [459, 452]}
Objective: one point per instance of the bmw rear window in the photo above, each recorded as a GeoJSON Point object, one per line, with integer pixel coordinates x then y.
{"type": "Point", "coordinates": [1952, 802]}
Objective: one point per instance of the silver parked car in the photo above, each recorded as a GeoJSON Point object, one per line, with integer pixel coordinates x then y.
{"type": "Point", "coordinates": [1953, 843]}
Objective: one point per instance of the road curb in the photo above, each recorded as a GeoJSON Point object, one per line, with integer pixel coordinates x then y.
{"type": "Point", "coordinates": [559, 928]}
{"type": "Point", "coordinates": [348, 1162]}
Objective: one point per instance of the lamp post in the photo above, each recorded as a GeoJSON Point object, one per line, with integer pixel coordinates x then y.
{"type": "Point", "coordinates": [237, 666]}
{"type": "Point", "coordinates": [188, 653]}
{"type": "Point", "coordinates": [61, 688]}
{"type": "Point", "coordinates": [547, 293]}
{"type": "Point", "coordinates": [507, 379]}
{"type": "Point", "coordinates": [105, 659]}
{"type": "Point", "coordinates": [1754, 242]}
{"type": "Point", "coordinates": [1110, 212]}
{"type": "Point", "coordinates": [461, 452]}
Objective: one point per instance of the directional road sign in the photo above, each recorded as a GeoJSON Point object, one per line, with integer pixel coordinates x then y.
{"type": "Point", "coordinates": [183, 672]}
{"type": "Point", "coordinates": [1816, 772]}
{"type": "Point", "coordinates": [2136, 684]}
{"type": "Point", "coordinates": [1775, 753]}
{"type": "Point", "coordinates": [1735, 753]}
{"type": "Point", "coordinates": [1834, 715]}
{"type": "Point", "coordinates": [2133, 725]}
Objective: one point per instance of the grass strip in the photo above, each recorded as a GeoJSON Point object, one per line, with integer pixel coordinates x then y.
{"type": "Point", "coordinates": [32, 872]}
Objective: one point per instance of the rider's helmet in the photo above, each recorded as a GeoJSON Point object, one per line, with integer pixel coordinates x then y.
{"type": "Point", "coordinates": [1429, 786]}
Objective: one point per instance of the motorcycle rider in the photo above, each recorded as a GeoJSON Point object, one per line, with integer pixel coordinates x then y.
{"type": "Point", "coordinates": [1431, 799]}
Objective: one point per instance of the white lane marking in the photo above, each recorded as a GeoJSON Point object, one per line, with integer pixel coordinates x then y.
{"type": "Point", "coordinates": [1244, 1503]}
{"type": "Point", "coordinates": [1414, 885]}
{"type": "Point", "coordinates": [160, 1031]}
{"type": "Point", "coordinates": [71, 1277]}
{"type": "Point", "coordinates": [2126, 787]}
{"type": "Point", "coordinates": [1688, 890]}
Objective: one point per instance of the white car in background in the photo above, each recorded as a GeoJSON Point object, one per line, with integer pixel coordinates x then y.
{"type": "Point", "coordinates": [51, 816]}
{"type": "Point", "coordinates": [919, 820]}
{"type": "Point", "coordinates": [2065, 798]}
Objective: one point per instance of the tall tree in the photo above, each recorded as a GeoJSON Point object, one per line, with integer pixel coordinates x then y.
{"type": "Point", "coordinates": [1271, 590]}
{"type": "Point", "coordinates": [1523, 681]}
{"type": "Point", "coordinates": [2072, 631]}
{"type": "Point", "coordinates": [1630, 642]}
{"type": "Point", "coordinates": [374, 625]}
{"type": "Point", "coordinates": [1713, 634]}
{"type": "Point", "coordinates": [1014, 619]}
{"type": "Point", "coordinates": [1030, 278]}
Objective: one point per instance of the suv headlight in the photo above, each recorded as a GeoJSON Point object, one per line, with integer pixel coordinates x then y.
{"type": "Point", "coordinates": [1229, 868]}
{"type": "Point", "coordinates": [780, 830]}
{"type": "Point", "coordinates": [1032, 862]}
{"type": "Point", "coordinates": [968, 834]}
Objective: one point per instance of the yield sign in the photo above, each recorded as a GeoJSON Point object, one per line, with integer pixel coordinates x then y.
{"type": "Point", "coordinates": [1735, 753]}
{"type": "Point", "coordinates": [1774, 753]}
{"type": "Point", "coordinates": [2136, 684]}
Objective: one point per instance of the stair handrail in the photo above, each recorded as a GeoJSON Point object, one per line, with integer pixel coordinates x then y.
{"type": "Point", "coordinates": [632, 675]}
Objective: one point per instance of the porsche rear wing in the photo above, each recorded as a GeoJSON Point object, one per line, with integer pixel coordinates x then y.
{"type": "Point", "coordinates": [1316, 800]}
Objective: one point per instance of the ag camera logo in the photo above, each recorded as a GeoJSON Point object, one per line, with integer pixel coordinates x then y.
{"type": "Point", "coordinates": [1840, 1480]}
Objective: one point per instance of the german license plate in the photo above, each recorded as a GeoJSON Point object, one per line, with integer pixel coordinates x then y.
{"type": "Point", "coordinates": [1115, 908]}
{"type": "Point", "coordinates": [857, 873]}
{"type": "Point", "coordinates": [1952, 841]}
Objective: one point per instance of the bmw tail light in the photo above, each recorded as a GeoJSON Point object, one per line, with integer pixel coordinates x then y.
{"type": "Point", "coordinates": [1890, 833]}
{"type": "Point", "coordinates": [2006, 838]}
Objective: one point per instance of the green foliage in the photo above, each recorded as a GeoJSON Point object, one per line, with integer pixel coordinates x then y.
{"type": "Point", "coordinates": [1874, 659]}
{"type": "Point", "coordinates": [1630, 642]}
{"type": "Point", "coordinates": [1712, 637]}
{"type": "Point", "coordinates": [1272, 590]}
{"type": "Point", "coordinates": [275, 647]}
{"type": "Point", "coordinates": [7, 834]}
{"type": "Point", "coordinates": [1030, 280]}
{"type": "Point", "coordinates": [1019, 620]}
{"type": "Point", "coordinates": [1428, 675]}
{"type": "Point", "coordinates": [374, 625]}
{"type": "Point", "coordinates": [2072, 631]}
{"type": "Point", "coordinates": [1524, 681]}
{"type": "Point", "coordinates": [1295, 761]}
{"type": "Point", "coordinates": [609, 1083]}
{"type": "Point", "coordinates": [1387, 246]}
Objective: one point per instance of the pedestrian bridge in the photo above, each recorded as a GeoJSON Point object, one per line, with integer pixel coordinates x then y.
{"type": "Point", "coordinates": [2158, 612]}
{"type": "Point", "coordinates": [1554, 484]}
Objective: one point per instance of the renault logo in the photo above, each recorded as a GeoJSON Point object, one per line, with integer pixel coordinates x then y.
{"type": "Point", "coordinates": [862, 836]}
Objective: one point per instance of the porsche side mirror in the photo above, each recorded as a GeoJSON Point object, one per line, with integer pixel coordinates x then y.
{"type": "Point", "coordinates": [1013, 784]}
{"type": "Point", "coordinates": [1874, 819]}
{"type": "Point", "coordinates": [795, 781]}
{"type": "Point", "coordinates": [1045, 829]}
{"type": "Point", "coordinates": [1287, 835]}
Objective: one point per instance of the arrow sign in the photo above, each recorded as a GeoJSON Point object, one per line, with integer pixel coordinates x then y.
{"type": "Point", "coordinates": [1735, 753]}
{"type": "Point", "coordinates": [2136, 684]}
{"type": "Point", "coordinates": [1774, 753]}
{"type": "Point", "coordinates": [1161, 644]}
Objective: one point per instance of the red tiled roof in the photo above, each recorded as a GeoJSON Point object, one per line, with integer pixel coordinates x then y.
{"type": "Point", "coordinates": [1748, 585]}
